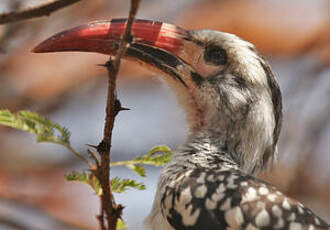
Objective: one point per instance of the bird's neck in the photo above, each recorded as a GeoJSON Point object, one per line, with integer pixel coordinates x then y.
{"type": "Point", "coordinates": [239, 124]}
{"type": "Point", "coordinates": [205, 149]}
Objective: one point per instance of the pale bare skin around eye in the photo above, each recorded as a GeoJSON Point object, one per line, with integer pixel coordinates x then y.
{"type": "Point", "coordinates": [193, 55]}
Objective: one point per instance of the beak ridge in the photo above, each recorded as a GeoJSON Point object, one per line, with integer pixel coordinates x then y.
{"type": "Point", "coordinates": [102, 36]}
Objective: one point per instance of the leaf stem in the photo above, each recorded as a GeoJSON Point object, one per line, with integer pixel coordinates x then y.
{"type": "Point", "coordinates": [80, 156]}
{"type": "Point", "coordinates": [131, 162]}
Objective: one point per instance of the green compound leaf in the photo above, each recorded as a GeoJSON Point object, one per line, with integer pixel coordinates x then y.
{"type": "Point", "coordinates": [117, 185]}
{"type": "Point", "coordinates": [140, 170]}
{"type": "Point", "coordinates": [46, 130]}
{"type": "Point", "coordinates": [121, 185]}
{"type": "Point", "coordinates": [158, 149]}
{"type": "Point", "coordinates": [86, 178]}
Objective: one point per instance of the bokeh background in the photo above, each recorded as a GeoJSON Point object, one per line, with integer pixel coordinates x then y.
{"type": "Point", "coordinates": [71, 89]}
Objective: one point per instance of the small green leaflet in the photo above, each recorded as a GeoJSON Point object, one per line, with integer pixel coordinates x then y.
{"type": "Point", "coordinates": [86, 178]}
{"type": "Point", "coordinates": [157, 160]}
{"type": "Point", "coordinates": [152, 158]}
{"type": "Point", "coordinates": [121, 185]}
{"type": "Point", "coordinates": [121, 224]}
{"type": "Point", "coordinates": [117, 185]}
{"type": "Point", "coordinates": [140, 170]}
{"type": "Point", "coordinates": [46, 130]}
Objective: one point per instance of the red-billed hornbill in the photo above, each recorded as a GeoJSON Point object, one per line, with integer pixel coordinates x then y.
{"type": "Point", "coordinates": [234, 109]}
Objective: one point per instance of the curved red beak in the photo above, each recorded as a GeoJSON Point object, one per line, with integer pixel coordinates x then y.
{"type": "Point", "coordinates": [104, 37]}
{"type": "Point", "coordinates": [163, 47]}
{"type": "Point", "coordinates": [157, 44]}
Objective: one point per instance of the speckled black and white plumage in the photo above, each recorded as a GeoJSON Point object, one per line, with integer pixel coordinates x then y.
{"type": "Point", "coordinates": [228, 199]}
{"type": "Point", "coordinates": [215, 194]}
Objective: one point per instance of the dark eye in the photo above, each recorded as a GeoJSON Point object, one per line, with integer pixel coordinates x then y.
{"type": "Point", "coordinates": [215, 55]}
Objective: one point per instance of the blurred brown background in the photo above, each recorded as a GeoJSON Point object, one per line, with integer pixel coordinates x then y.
{"type": "Point", "coordinates": [70, 89]}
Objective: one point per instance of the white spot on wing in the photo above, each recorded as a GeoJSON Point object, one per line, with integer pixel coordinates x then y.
{"type": "Point", "coordinates": [188, 218]}
{"type": "Point", "coordinates": [251, 227]}
{"type": "Point", "coordinates": [221, 188]}
{"type": "Point", "coordinates": [276, 211]}
{"type": "Point", "coordinates": [185, 196]}
{"type": "Point", "coordinates": [263, 191]}
{"type": "Point", "coordinates": [311, 227]}
{"type": "Point", "coordinates": [231, 185]}
{"type": "Point", "coordinates": [201, 178]}
{"type": "Point", "coordinates": [317, 221]}
{"type": "Point", "coordinates": [221, 177]}
{"type": "Point", "coordinates": [200, 192]}
{"type": "Point", "coordinates": [244, 183]}
{"type": "Point", "coordinates": [292, 217]}
{"type": "Point", "coordinates": [180, 177]}
{"type": "Point", "coordinates": [234, 217]}
{"type": "Point", "coordinates": [211, 178]}
{"type": "Point", "coordinates": [272, 197]}
{"type": "Point", "coordinates": [300, 210]}
{"type": "Point", "coordinates": [210, 204]}
{"type": "Point", "coordinates": [250, 195]}
{"type": "Point", "coordinates": [295, 226]}
{"type": "Point", "coordinates": [262, 219]}
{"type": "Point", "coordinates": [286, 204]}
{"type": "Point", "coordinates": [279, 193]}
{"type": "Point", "coordinates": [187, 174]}
{"type": "Point", "coordinates": [217, 196]}
{"type": "Point", "coordinates": [279, 224]}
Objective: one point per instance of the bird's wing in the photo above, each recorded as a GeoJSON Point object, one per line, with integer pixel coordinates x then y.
{"type": "Point", "coordinates": [198, 199]}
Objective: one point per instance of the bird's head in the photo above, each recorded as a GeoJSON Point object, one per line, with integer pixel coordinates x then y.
{"type": "Point", "coordinates": [227, 89]}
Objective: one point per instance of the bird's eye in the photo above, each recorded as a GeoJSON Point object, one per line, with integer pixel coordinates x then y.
{"type": "Point", "coordinates": [215, 55]}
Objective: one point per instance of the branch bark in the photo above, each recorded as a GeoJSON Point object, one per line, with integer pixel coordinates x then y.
{"type": "Point", "coordinates": [109, 208]}
{"type": "Point", "coordinates": [34, 12]}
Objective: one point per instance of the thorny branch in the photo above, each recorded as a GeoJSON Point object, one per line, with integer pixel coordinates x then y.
{"type": "Point", "coordinates": [108, 207]}
{"type": "Point", "coordinates": [34, 12]}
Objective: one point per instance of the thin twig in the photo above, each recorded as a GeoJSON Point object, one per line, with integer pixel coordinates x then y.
{"type": "Point", "coordinates": [113, 107]}
{"type": "Point", "coordinates": [93, 156]}
{"type": "Point", "coordinates": [80, 156]}
{"type": "Point", "coordinates": [10, 30]}
{"type": "Point", "coordinates": [34, 12]}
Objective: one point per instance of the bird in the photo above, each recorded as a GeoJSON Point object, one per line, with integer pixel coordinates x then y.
{"type": "Point", "coordinates": [233, 106]}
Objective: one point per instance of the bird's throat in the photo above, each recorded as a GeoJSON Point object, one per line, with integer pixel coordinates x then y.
{"type": "Point", "coordinates": [203, 150]}
{"type": "Point", "coordinates": [189, 101]}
